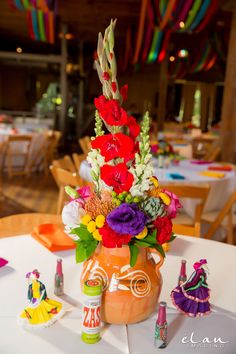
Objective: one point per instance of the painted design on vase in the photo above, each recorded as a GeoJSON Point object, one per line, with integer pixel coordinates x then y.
{"type": "Point", "coordinates": [136, 281]}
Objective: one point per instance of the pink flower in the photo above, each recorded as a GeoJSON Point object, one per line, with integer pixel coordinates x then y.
{"type": "Point", "coordinates": [84, 193]}
{"type": "Point", "coordinates": [174, 204]}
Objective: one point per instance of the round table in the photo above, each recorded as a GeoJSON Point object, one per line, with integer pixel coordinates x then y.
{"type": "Point", "coordinates": [25, 254]}
{"type": "Point", "coordinates": [221, 188]}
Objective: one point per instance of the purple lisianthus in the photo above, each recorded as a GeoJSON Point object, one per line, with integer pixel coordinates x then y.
{"type": "Point", "coordinates": [127, 219]}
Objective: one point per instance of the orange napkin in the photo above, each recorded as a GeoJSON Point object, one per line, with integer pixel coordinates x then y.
{"type": "Point", "coordinates": [220, 168]}
{"type": "Point", "coordinates": [53, 237]}
{"type": "Point", "coordinates": [212, 174]}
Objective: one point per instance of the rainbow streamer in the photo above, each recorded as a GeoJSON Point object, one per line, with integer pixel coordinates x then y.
{"type": "Point", "coordinates": [19, 5]}
{"type": "Point", "coordinates": [155, 47]}
{"type": "Point", "coordinates": [35, 24]}
{"type": "Point", "coordinates": [200, 15]}
{"type": "Point", "coordinates": [192, 15]}
{"type": "Point", "coordinates": [41, 26]}
{"type": "Point", "coordinates": [40, 17]}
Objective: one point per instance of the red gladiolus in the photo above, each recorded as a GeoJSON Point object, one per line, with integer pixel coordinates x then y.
{"type": "Point", "coordinates": [111, 111]}
{"type": "Point", "coordinates": [124, 92]}
{"type": "Point", "coordinates": [134, 128]}
{"type": "Point", "coordinates": [100, 102]}
{"type": "Point", "coordinates": [114, 145]}
{"type": "Point", "coordinates": [164, 229]}
{"type": "Point", "coordinates": [112, 239]}
{"type": "Point", "coordinates": [117, 177]}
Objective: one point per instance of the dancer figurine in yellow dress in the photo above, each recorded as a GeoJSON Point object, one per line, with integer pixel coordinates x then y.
{"type": "Point", "coordinates": [41, 311]}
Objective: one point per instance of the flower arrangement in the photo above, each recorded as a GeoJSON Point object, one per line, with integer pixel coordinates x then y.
{"type": "Point", "coordinates": [127, 206]}
{"type": "Point", "coordinates": [162, 148]}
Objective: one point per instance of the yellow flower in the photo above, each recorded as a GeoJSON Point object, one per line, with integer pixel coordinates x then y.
{"type": "Point", "coordinates": [97, 235]}
{"type": "Point", "coordinates": [142, 234]}
{"type": "Point", "coordinates": [86, 219]}
{"type": "Point", "coordinates": [166, 246]}
{"type": "Point", "coordinates": [100, 221]}
{"type": "Point", "coordinates": [91, 226]}
{"type": "Point", "coordinates": [154, 180]}
{"type": "Point", "coordinates": [165, 198]}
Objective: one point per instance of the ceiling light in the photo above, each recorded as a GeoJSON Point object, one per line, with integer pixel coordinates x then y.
{"type": "Point", "coordinates": [19, 50]}
{"type": "Point", "coordinates": [181, 24]}
{"type": "Point", "coordinates": [171, 58]}
{"type": "Point", "coordinates": [183, 53]}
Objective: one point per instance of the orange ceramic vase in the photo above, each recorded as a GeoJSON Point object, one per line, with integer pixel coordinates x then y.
{"type": "Point", "coordinates": [130, 294]}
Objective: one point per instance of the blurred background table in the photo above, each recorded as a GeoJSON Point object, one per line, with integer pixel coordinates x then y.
{"type": "Point", "coordinates": [221, 188]}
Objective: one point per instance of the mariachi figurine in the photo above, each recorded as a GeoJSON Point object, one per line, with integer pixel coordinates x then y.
{"type": "Point", "coordinates": [41, 311]}
{"type": "Point", "coordinates": [191, 297]}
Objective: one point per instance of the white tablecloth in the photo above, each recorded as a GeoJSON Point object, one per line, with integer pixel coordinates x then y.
{"type": "Point", "coordinates": [24, 254]}
{"type": "Point", "coordinates": [221, 188]}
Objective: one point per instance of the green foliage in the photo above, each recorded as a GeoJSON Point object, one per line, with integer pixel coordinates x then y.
{"type": "Point", "coordinates": [84, 249]}
{"type": "Point", "coordinates": [133, 254]}
{"type": "Point", "coordinates": [86, 244]}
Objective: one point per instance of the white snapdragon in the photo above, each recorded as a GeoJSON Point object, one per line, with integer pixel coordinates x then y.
{"type": "Point", "coordinates": [96, 160]}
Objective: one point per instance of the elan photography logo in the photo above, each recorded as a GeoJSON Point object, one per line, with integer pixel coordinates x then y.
{"type": "Point", "coordinates": [194, 340]}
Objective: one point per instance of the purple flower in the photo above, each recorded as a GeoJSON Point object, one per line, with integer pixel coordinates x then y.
{"type": "Point", "coordinates": [127, 219]}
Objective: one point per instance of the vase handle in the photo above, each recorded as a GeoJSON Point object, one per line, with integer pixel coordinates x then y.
{"type": "Point", "coordinates": [161, 261]}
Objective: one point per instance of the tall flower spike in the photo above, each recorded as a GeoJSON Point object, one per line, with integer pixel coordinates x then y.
{"type": "Point", "coordinates": [106, 63]}
{"type": "Point", "coordinates": [98, 125]}
{"type": "Point", "coordinates": [142, 169]}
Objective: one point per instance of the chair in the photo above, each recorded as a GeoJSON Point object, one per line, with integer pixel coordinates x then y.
{"type": "Point", "coordinates": [183, 224]}
{"type": "Point", "coordinates": [223, 218]}
{"type": "Point", "coordinates": [50, 149]}
{"type": "Point", "coordinates": [85, 144]}
{"type": "Point", "coordinates": [65, 163]}
{"type": "Point", "coordinates": [213, 153]}
{"type": "Point", "coordinates": [14, 150]}
{"type": "Point", "coordinates": [21, 224]}
{"type": "Point", "coordinates": [2, 153]}
{"type": "Point", "coordinates": [64, 178]}
{"type": "Point", "coordinates": [78, 158]}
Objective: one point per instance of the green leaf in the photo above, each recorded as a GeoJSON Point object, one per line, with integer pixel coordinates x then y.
{"type": "Point", "coordinates": [82, 232]}
{"type": "Point", "coordinates": [151, 238]}
{"type": "Point", "coordinates": [142, 243]}
{"type": "Point", "coordinates": [91, 246]}
{"type": "Point", "coordinates": [133, 254]}
{"type": "Point", "coordinates": [159, 248]}
{"type": "Point", "coordinates": [172, 238]}
{"type": "Point", "coordinates": [80, 252]}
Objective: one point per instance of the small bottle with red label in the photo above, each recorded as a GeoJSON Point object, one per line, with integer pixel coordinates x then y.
{"type": "Point", "coordinates": [91, 318]}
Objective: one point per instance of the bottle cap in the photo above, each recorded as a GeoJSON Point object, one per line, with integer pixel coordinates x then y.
{"type": "Point", "coordinates": [161, 319]}
{"type": "Point", "coordinates": [183, 268]}
{"type": "Point", "coordinates": [59, 266]}
{"type": "Point", "coordinates": [92, 287]}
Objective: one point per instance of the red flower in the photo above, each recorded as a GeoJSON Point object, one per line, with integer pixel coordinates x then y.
{"type": "Point", "coordinates": [112, 239]}
{"type": "Point", "coordinates": [100, 102]}
{"type": "Point", "coordinates": [117, 177]}
{"type": "Point", "coordinates": [164, 229]}
{"type": "Point", "coordinates": [111, 111]}
{"type": "Point", "coordinates": [112, 146]}
{"type": "Point", "coordinates": [124, 92]}
{"type": "Point", "coordinates": [134, 128]}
